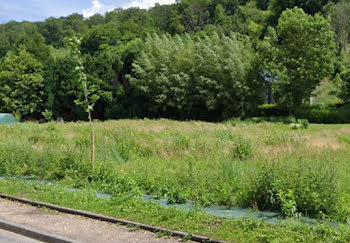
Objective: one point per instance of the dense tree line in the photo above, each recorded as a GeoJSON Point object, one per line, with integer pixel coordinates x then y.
{"type": "Point", "coordinates": [196, 59]}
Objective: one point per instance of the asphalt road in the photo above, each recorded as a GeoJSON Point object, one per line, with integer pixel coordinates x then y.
{"type": "Point", "coordinates": [9, 237]}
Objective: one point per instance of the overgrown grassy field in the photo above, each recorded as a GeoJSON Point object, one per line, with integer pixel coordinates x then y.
{"type": "Point", "coordinates": [266, 166]}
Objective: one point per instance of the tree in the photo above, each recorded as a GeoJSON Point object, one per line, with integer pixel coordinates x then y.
{"type": "Point", "coordinates": [195, 14]}
{"type": "Point", "coordinates": [309, 6]}
{"type": "Point", "coordinates": [230, 6]}
{"type": "Point", "coordinates": [340, 22]}
{"type": "Point", "coordinates": [87, 97]}
{"type": "Point", "coordinates": [33, 42]}
{"type": "Point", "coordinates": [300, 54]}
{"type": "Point", "coordinates": [21, 83]}
{"type": "Point", "coordinates": [175, 26]}
{"type": "Point", "coordinates": [222, 20]}
{"type": "Point", "coordinates": [62, 87]}
{"type": "Point", "coordinates": [53, 31]}
{"type": "Point", "coordinates": [250, 20]}
{"type": "Point", "coordinates": [345, 94]}
{"type": "Point", "coordinates": [179, 77]}
{"type": "Point", "coordinates": [105, 34]}
{"type": "Point", "coordinates": [96, 19]}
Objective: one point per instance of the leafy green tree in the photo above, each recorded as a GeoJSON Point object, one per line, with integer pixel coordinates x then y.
{"type": "Point", "coordinates": [161, 16]}
{"type": "Point", "coordinates": [299, 54]}
{"type": "Point", "coordinates": [75, 24]}
{"type": "Point", "coordinates": [96, 19]}
{"type": "Point", "coordinates": [61, 86]}
{"type": "Point", "coordinates": [195, 14]}
{"type": "Point", "coordinates": [345, 93]}
{"type": "Point", "coordinates": [53, 31]}
{"type": "Point", "coordinates": [340, 22]}
{"type": "Point", "coordinates": [56, 30]}
{"type": "Point", "coordinates": [87, 97]}
{"type": "Point", "coordinates": [263, 4]}
{"type": "Point", "coordinates": [33, 42]}
{"type": "Point", "coordinates": [230, 6]}
{"type": "Point", "coordinates": [99, 35]}
{"type": "Point", "coordinates": [327, 92]}
{"type": "Point", "coordinates": [250, 20]}
{"type": "Point", "coordinates": [5, 44]}
{"type": "Point", "coordinates": [182, 78]}
{"type": "Point", "coordinates": [114, 44]}
{"type": "Point", "coordinates": [21, 83]}
{"type": "Point", "coordinates": [222, 20]}
{"type": "Point", "coordinates": [309, 6]}
{"type": "Point", "coordinates": [175, 26]}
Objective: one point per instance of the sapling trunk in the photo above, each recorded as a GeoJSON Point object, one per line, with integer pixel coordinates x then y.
{"type": "Point", "coordinates": [93, 148]}
{"type": "Point", "coordinates": [89, 98]}
{"type": "Point", "coordinates": [92, 132]}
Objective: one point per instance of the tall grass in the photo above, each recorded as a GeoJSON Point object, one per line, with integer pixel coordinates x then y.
{"type": "Point", "coordinates": [266, 166]}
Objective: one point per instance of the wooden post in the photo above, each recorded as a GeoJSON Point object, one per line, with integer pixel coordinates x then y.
{"type": "Point", "coordinates": [93, 148]}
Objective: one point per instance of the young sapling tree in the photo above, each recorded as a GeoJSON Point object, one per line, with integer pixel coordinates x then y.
{"type": "Point", "coordinates": [88, 97]}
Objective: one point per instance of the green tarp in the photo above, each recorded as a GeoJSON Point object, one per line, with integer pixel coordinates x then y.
{"type": "Point", "coordinates": [6, 118]}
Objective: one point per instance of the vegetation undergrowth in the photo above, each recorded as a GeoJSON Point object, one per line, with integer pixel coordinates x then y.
{"type": "Point", "coordinates": [194, 222]}
{"type": "Point", "coordinates": [266, 166]}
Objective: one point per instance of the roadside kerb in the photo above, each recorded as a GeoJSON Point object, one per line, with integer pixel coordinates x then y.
{"type": "Point", "coordinates": [32, 233]}
{"type": "Point", "coordinates": [174, 233]}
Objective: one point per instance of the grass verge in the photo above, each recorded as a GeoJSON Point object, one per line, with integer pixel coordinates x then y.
{"type": "Point", "coordinates": [132, 208]}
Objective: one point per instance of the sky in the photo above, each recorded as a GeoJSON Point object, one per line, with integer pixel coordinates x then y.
{"type": "Point", "coordinates": [39, 10]}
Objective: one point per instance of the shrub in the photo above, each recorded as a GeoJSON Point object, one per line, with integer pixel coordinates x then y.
{"type": "Point", "coordinates": [330, 114]}
{"type": "Point", "coordinates": [301, 123]}
{"type": "Point", "coordinates": [48, 115]}
{"type": "Point", "coordinates": [296, 125]}
{"type": "Point", "coordinates": [272, 110]}
{"type": "Point", "coordinates": [296, 187]}
{"type": "Point", "coordinates": [242, 148]}
{"type": "Point", "coordinates": [326, 114]}
{"type": "Point", "coordinates": [304, 123]}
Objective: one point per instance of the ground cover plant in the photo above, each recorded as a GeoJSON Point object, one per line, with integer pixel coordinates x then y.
{"type": "Point", "coordinates": [193, 222]}
{"type": "Point", "coordinates": [265, 166]}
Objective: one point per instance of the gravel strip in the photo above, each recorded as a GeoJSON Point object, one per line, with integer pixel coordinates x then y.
{"type": "Point", "coordinates": [74, 227]}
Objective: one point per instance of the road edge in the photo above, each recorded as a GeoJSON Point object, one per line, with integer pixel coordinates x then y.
{"type": "Point", "coordinates": [33, 234]}
{"type": "Point", "coordinates": [154, 229]}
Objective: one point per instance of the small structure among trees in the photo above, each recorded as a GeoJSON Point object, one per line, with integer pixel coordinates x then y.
{"type": "Point", "coordinates": [6, 118]}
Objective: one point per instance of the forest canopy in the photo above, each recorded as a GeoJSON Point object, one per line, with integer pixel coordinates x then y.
{"type": "Point", "coordinates": [195, 59]}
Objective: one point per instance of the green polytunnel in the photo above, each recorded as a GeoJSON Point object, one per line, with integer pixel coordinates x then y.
{"type": "Point", "coordinates": [6, 118]}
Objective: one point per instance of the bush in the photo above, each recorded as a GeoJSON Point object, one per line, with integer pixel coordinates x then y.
{"type": "Point", "coordinates": [296, 187]}
{"type": "Point", "coordinates": [330, 114]}
{"type": "Point", "coordinates": [326, 114]}
{"type": "Point", "coordinates": [48, 115]}
{"type": "Point", "coordinates": [296, 126]}
{"type": "Point", "coordinates": [284, 119]}
{"type": "Point", "coordinates": [272, 110]}
{"type": "Point", "coordinates": [301, 123]}
{"type": "Point", "coordinates": [242, 148]}
{"type": "Point", "coordinates": [304, 123]}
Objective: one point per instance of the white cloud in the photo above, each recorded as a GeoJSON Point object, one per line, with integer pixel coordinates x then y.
{"type": "Point", "coordinates": [97, 7]}
{"type": "Point", "coordinates": [148, 3]}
